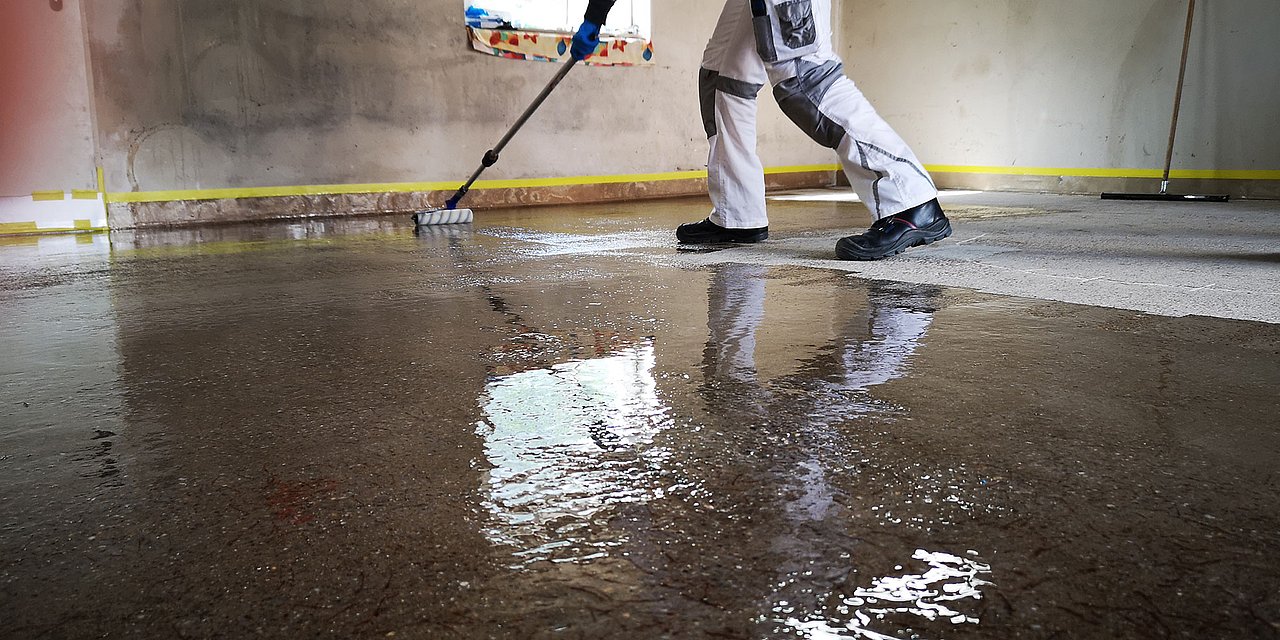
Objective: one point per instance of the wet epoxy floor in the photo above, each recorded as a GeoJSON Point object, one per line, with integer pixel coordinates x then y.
{"type": "Point", "coordinates": [517, 429]}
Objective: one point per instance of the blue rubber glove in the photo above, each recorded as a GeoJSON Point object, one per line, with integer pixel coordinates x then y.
{"type": "Point", "coordinates": [585, 41]}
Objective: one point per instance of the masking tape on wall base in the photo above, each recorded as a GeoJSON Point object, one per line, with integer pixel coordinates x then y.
{"type": "Point", "coordinates": [526, 183]}
{"type": "Point", "coordinates": [409, 187]}
{"type": "Point", "coordinates": [1181, 174]}
{"type": "Point", "coordinates": [52, 212]}
{"type": "Point", "coordinates": [11, 228]}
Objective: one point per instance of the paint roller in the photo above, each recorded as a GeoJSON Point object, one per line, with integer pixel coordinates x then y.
{"type": "Point", "coordinates": [450, 213]}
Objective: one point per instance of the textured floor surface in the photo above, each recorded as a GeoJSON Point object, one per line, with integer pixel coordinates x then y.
{"type": "Point", "coordinates": [553, 423]}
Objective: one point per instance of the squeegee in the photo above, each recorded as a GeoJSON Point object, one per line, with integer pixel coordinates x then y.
{"type": "Point", "coordinates": [450, 213]}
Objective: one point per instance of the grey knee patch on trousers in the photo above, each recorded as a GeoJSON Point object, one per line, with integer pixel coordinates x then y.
{"type": "Point", "coordinates": [800, 95]}
{"type": "Point", "coordinates": [707, 99]}
{"type": "Point", "coordinates": [709, 82]}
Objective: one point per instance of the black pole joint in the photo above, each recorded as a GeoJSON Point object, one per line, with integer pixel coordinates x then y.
{"type": "Point", "coordinates": [453, 202]}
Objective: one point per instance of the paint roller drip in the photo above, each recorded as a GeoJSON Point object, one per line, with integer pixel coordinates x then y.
{"type": "Point", "coordinates": [443, 216]}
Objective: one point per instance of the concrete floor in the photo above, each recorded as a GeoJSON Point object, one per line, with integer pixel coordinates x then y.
{"type": "Point", "coordinates": [1219, 260]}
{"type": "Point", "coordinates": [554, 423]}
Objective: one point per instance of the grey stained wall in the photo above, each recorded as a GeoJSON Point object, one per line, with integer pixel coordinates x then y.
{"type": "Point", "coordinates": [1081, 84]}
{"type": "Point", "coordinates": [196, 94]}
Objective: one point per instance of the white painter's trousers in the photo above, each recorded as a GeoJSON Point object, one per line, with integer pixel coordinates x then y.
{"type": "Point", "coordinates": [809, 84]}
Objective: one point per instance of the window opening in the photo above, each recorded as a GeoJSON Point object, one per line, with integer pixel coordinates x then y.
{"type": "Point", "coordinates": [542, 29]}
{"type": "Point", "coordinates": [628, 18]}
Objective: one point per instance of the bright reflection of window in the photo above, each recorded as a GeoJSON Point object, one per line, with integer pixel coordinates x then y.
{"type": "Point", "coordinates": [627, 18]}
{"type": "Point", "coordinates": [567, 443]}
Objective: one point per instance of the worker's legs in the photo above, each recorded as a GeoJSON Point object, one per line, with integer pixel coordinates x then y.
{"type": "Point", "coordinates": [732, 75]}
{"type": "Point", "coordinates": [816, 95]}
{"type": "Point", "coordinates": [788, 43]}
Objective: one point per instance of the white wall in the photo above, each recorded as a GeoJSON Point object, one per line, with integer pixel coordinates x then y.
{"type": "Point", "coordinates": [47, 139]}
{"type": "Point", "coordinates": [46, 126]}
{"type": "Point", "coordinates": [1082, 84]}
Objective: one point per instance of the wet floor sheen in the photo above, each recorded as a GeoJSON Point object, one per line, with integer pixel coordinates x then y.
{"type": "Point", "coordinates": [537, 429]}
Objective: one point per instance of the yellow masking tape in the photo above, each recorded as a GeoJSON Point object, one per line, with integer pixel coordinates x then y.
{"type": "Point", "coordinates": [1209, 174]}
{"type": "Point", "coordinates": [102, 189]}
{"type": "Point", "coordinates": [46, 196]}
{"type": "Point", "coordinates": [1046, 171]}
{"type": "Point", "coordinates": [31, 227]}
{"type": "Point", "coordinates": [1215, 174]}
{"type": "Point", "coordinates": [18, 227]}
{"type": "Point", "coordinates": [82, 194]}
{"type": "Point", "coordinates": [809, 168]}
{"type": "Point", "coordinates": [270, 192]}
{"type": "Point", "coordinates": [406, 187]}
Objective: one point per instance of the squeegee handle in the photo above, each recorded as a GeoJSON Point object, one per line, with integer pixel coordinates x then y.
{"type": "Point", "coordinates": [1177, 98]}
{"type": "Point", "coordinates": [491, 156]}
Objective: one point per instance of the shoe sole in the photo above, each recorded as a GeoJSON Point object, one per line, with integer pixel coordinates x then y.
{"type": "Point", "coordinates": [912, 238]}
{"type": "Point", "coordinates": [744, 240]}
{"type": "Point", "coordinates": [709, 248]}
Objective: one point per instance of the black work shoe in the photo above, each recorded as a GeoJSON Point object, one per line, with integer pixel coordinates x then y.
{"type": "Point", "coordinates": [708, 232]}
{"type": "Point", "coordinates": [925, 224]}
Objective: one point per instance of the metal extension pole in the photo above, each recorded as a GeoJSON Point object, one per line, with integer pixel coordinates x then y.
{"type": "Point", "coordinates": [491, 156]}
{"type": "Point", "coordinates": [1177, 100]}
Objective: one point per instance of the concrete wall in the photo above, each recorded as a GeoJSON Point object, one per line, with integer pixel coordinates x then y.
{"type": "Point", "coordinates": [190, 94]}
{"type": "Point", "coordinates": [197, 95]}
{"type": "Point", "coordinates": [1084, 84]}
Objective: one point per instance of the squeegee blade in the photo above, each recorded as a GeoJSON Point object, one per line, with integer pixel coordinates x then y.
{"type": "Point", "coordinates": [1166, 197]}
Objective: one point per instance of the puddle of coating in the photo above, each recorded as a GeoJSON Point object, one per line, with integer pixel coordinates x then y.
{"type": "Point", "coordinates": [513, 430]}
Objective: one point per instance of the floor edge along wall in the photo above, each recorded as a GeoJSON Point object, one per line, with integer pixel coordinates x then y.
{"type": "Point", "coordinates": [168, 209]}
{"type": "Point", "coordinates": [80, 211]}
{"type": "Point", "coordinates": [1249, 184]}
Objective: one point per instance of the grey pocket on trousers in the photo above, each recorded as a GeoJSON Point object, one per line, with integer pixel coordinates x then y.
{"type": "Point", "coordinates": [796, 21]}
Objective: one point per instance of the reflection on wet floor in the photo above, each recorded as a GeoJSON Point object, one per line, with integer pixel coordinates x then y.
{"type": "Point", "coordinates": [949, 581]}
{"type": "Point", "coordinates": [566, 444]}
{"type": "Point", "coordinates": [531, 429]}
